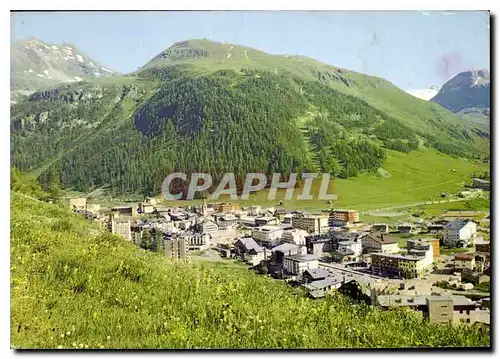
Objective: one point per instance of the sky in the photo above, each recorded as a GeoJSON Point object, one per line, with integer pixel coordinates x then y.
{"type": "Point", "coordinates": [412, 49]}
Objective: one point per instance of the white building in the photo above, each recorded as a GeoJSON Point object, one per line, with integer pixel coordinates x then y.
{"type": "Point", "coordinates": [353, 246]}
{"type": "Point", "coordinates": [460, 233]}
{"type": "Point", "coordinates": [311, 224]}
{"type": "Point", "coordinates": [295, 236]}
{"type": "Point", "coordinates": [299, 263]}
{"type": "Point", "coordinates": [267, 233]}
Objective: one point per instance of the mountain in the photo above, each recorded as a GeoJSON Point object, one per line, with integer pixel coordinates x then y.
{"type": "Point", "coordinates": [468, 93]}
{"type": "Point", "coordinates": [37, 65]}
{"type": "Point", "coordinates": [206, 106]}
{"type": "Point", "coordinates": [425, 94]}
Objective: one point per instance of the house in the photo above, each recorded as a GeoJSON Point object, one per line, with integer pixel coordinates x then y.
{"type": "Point", "coordinates": [311, 224]}
{"type": "Point", "coordinates": [145, 208]}
{"type": "Point", "coordinates": [286, 249]}
{"type": "Point", "coordinates": [359, 289]}
{"type": "Point", "coordinates": [247, 221]}
{"type": "Point", "coordinates": [267, 234]}
{"type": "Point", "coordinates": [374, 242]}
{"type": "Point", "coordinates": [342, 255]}
{"type": "Point", "coordinates": [398, 265]}
{"type": "Point", "coordinates": [464, 261]}
{"type": "Point", "coordinates": [319, 288]}
{"type": "Point", "coordinates": [208, 227]}
{"type": "Point", "coordinates": [295, 236]}
{"type": "Point", "coordinates": [243, 245]}
{"type": "Point", "coordinates": [406, 228]}
{"type": "Point", "coordinates": [380, 227]}
{"type": "Point", "coordinates": [297, 264]}
{"type": "Point", "coordinates": [469, 276]}
{"type": "Point", "coordinates": [481, 183]}
{"type": "Point", "coordinates": [460, 233]}
{"type": "Point", "coordinates": [315, 274]}
{"type": "Point", "coordinates": [435, 228]}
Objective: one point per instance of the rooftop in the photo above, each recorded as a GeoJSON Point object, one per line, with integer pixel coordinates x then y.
{"type": "Point", "coordinates": [302, 257]}
{"type": "Point", "coordinates": [411, 300]}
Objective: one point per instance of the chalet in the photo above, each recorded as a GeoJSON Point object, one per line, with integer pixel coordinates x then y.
{"type": "Point", "coordinates": [319, 288]}
{"type": "Point", "coordinates": [247, 249]}
{"type": "Point", "coordinates": [342, 255]}
{"type": "Point", "coordinates": [286, 249]}
{"type": "Point", "coordinates": [435, 228]}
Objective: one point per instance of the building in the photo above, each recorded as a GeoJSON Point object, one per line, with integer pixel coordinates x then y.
{"type": "Point", "coordinates": [344, 255]}
{"type": "Point", "coordinates": [435, 228]}
{"type": "Point", "coordinates": [469, 276]}
{"type": "Point", "coordinates": [225, 221]}
{"type": "Point", "coordinates": [319, 288]}
{"type": "Point", "coordinates": [124, 211]}
{"type": "Point", "coordinates": [121, 227]}
{"type": "Point", "coordinates": [264, 221]}
{"type": "Point", "coordinates": [77, 203]}
{"type": "Point", "coordinates": [424, 247]}
{"type": "Point", "coordinates": [320, 245]}
{"type": "Point", "coordinates": [297, 264]}
{"type": "Point", "coordinates": [311, 275]}
{"type": "Point", "coordinates": [374, 242]}
{"type": "Point", "coordinates": [398, 265]}
{"type": "Point", "coordinates": [464, 261]}
{"type": "Point", "coordinates": [286, 249]}
{"type": "Point", "coordinates": [247, 249]}
{"type": "Point", "coordinates": [436, 309]}
{"type": "Point", "coordinates": [406, 228]}
{"type": "Point", "coordinates": [267, 234]}
{"type": "Point", "coordinates": [460, 233]}
{"type": "Point", "coordinates": [208, 227]}
{"type": "Point", "coordinates": [481, 183]}
{"type": "Point", "coordinates": [176, 247]}
{"type": "Point", "coordinates": [355, 247]}
{"type": "Point", "coordinates": [226, 207]}
{"type": "Point", "coordinates": [380, 227]}
{"type": "Point", "coordinates": [197, 241]}
{"type": "Point", "coordinates": [311, 224]}
{"type": "Point", "coordinates": [481, 261]}
{"type": "Point", "coordinates": [295, 236]}
{"type": "Point", "coordinates": [342, 217]}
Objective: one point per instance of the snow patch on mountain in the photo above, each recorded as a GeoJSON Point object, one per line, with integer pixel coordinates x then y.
{"type": "Point", "coordinates": [425, 94]}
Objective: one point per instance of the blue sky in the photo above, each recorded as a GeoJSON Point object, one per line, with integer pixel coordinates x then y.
{"type": "Point", "coordinates": [412, 49]}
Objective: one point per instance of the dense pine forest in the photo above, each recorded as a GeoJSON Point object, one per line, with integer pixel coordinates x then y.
{"type": "Point", "coordinates": [128, 133]}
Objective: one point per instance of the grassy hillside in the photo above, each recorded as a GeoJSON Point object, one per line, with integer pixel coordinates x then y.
{"type": "Point", "coordinates": [73, 286]}
{"type": "Point", "coordinates": [406, 178]}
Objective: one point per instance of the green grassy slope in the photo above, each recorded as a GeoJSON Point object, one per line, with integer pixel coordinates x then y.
{"type": "Point", "coordinates": [408, 178]}
{"type": "Point", "coordinates": [73, 286]}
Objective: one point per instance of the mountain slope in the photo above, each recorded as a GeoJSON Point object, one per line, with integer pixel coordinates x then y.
{"type": "Point", "coordinates": [36, 65]}
{"type": "Point", "coordinates": [469, 89]}
{"type": "Point", "coordinates": [195, 108]}
{"type": "Point", "coordinates": [75, 286]}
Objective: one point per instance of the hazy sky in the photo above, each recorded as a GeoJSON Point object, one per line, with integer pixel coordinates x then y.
{"type": "Point", "coordinates": [412, 49]}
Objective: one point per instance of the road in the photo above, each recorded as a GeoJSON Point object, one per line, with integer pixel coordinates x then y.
{"type": "Point", "coordinates": [411, 205]}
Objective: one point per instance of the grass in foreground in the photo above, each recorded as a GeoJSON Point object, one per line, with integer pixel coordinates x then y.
{"type": "Point", "coordinates": [74, 286]}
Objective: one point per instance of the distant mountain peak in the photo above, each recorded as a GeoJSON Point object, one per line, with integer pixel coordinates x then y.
{"type": "Point", "coordinates": [468, 89]}
{"type": "Point", "coordinates": [37, 65]}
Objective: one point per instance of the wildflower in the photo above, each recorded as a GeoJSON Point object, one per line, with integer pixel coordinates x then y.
{"type": "Point", "coordinates": [62, 335]}
{"type": "Point", "coordinates": [68, 333]}
{"type": "Point", "coordinates": [59, 347]}
{"type": "Point", "coordinates": [108, 337]}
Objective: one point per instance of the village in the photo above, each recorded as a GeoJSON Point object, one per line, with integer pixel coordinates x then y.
{"type": "Point", "coordinates": [442, 271]}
